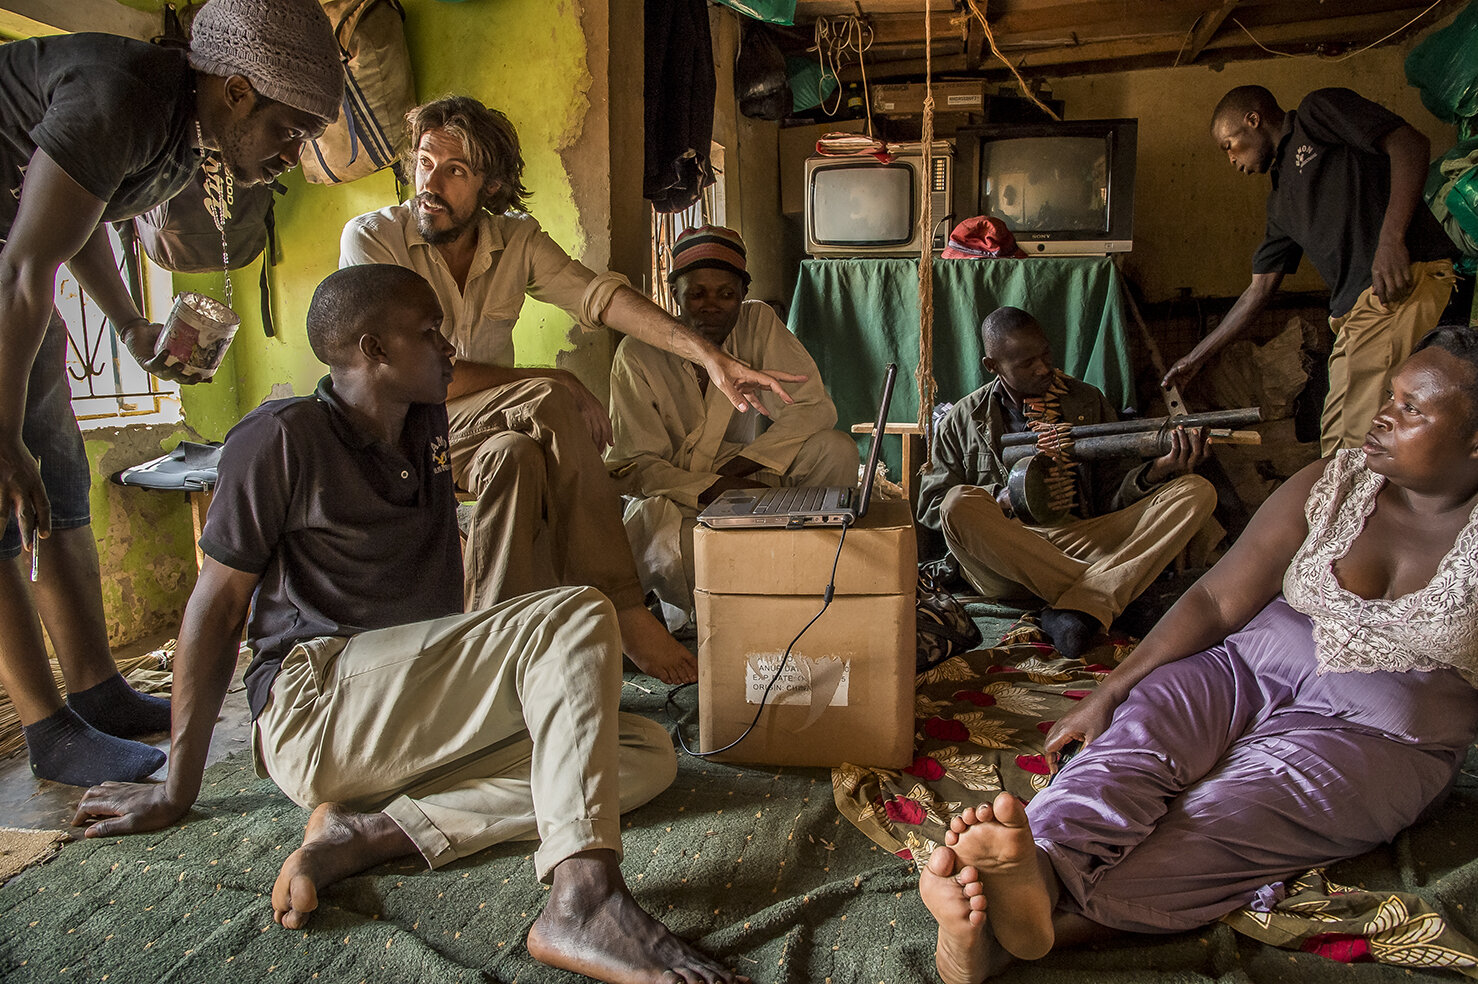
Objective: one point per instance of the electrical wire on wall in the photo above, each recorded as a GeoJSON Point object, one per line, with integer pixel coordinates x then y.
{"type": "Point", "coordinates": [1350, 54]}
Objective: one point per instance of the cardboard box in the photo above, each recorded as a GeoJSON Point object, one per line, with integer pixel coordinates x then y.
{"type": "Point", "coordinates": [903, 99]}
{"type": "Point", "coordinates": [846, 694]}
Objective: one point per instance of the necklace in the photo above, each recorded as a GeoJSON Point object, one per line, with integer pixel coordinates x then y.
{"type": "Point", "coordinates": [220, 195]}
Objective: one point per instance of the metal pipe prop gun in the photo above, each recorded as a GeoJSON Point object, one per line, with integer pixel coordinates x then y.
{"type": "Point", "coordinates": [1041, 477]}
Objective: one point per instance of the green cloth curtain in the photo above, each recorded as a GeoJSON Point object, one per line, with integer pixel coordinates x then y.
{"type": "Point", "coordinates": [855, 316]}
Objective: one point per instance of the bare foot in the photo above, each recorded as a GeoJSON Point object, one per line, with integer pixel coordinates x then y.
{"type": "Point", "coordinates": [592, 926]}
{"type": "Point", "coordinates": [653, 649]}
{"type": "Point", "coordinates": [997, 842]}
{"type": "Point", "coordinates": [955, 897]}
{"type": "Point", "coordinates": [336, 844]}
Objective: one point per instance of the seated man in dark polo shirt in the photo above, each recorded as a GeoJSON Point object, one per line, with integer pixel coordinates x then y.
{"type": "Point", "coordinates": [408, 726]}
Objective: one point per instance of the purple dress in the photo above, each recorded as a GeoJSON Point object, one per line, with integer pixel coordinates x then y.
{"type": "Point", "coordinates": [1242, 766]}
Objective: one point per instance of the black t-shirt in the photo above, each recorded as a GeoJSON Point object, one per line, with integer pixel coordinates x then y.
{"type": "Point", "coordinates": [347, 533]}
{"type": "Point", "coordinates": [113, 113]}
{"type": "Point", "coordinates": [1331, 183]}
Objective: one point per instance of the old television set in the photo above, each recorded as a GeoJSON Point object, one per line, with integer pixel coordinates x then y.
{"type": "Point", "coordinates": [1063, 189]}
{"type": "Point", "coordinates": [860, 206]}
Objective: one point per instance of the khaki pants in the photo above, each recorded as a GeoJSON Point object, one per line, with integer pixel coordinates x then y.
{"type": "Point", "coordinates": [660, 530]}
{"type": "Point", "coordinates": [1096, 565]}
{"type": "Point", "coordinates": [1370, 343]}
{"type": "Point", "coordinates": [472, 729]}
{"type": "Point", "coordinates": [547, 511]}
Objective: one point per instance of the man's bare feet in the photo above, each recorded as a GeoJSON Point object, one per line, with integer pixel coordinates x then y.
{"type": "Point", "coordinates": [653, 649]}
{"type": "Point", "coordinates": [592, 926]}
{"type": "Point", "coordinates": [336, 844]}
{"type": "Point", "coordinates": [997, 842]}
{"type": "Point", "coordinates": [955, 897]}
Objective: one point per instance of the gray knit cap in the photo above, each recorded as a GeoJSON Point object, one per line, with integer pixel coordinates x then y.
{"type": "Point", "coordinates": [284, 48]}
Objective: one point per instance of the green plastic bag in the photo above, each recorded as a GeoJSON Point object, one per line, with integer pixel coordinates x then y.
{"type": "Point", "coordinates": [1444, 68]}
{"type": "Point", "coordinates": [809, 86]}
{"type": "Point", "coordinates": [769, 11]}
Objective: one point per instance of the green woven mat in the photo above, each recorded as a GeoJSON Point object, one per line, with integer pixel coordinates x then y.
{"type": "Point", "coordinates": [754, 864]}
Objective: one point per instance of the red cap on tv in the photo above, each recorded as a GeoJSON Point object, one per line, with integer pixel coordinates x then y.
{"type": "Point", "coordinates": [982, 237]}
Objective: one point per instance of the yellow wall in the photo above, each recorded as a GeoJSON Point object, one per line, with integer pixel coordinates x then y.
{"type": "Point", "coordinates": [1197, 221]}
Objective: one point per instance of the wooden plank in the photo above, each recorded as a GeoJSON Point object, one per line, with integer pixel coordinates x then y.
{"type": "Point", "coordinates": [1204, 31]}
{"type": "Point", "coordinates": [106, 16]}
{"type": "Point", "coordinates": [809, 10]}
{"type": "Point", "coordinates": [1351, 25]}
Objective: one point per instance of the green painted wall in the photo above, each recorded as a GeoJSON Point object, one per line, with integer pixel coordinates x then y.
{"type": "Point", "coordinates": [525, 57]}
{"type": "Point", "coordinates": [145, 540]}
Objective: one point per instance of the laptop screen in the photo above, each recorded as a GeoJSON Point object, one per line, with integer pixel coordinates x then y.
{"type": "Point", "coordinates": [877, 440]}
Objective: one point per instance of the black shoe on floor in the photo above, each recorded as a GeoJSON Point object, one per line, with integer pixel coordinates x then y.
{"type": "Point", "coordinates": [1071, 632]}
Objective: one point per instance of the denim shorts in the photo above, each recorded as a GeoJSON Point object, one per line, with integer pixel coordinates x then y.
{"type": "Point", "coordinates": [50, 432]}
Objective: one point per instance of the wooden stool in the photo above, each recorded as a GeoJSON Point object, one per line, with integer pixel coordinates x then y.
{"type": "Point", "coordinates": [913, 451]}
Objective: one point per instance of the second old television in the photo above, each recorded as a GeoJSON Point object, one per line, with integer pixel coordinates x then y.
{"type": "Point", "coordinates": [860, 206]}
{"type": "Point", "coordinates": [1064, 189]}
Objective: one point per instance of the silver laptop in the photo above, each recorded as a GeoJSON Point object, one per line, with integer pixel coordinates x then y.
{"type": "Point", "coordinates": [803, 505]}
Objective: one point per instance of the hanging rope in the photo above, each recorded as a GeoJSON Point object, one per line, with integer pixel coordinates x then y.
{"type": "Point", "coordinates": [977, 7]}
{"type": "Point", "coordinates": [925, 372]}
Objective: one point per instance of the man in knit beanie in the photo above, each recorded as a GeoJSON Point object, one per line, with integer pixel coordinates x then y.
{"type": "Point", "coordinates": [95, 129]}
{"type": "Point", "coordinates": [679, 444]}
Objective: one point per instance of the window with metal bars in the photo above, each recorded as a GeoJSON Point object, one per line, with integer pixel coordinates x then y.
{"type": "Point", "coordinates": [108, 386]}
{"type": "Point", "coordinates": [667, 226]}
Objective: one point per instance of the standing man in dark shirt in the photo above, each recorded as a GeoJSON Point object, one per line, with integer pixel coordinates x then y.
{"type": "Point", "coordinates": [96, 128]}
{"type": "Point", "coordinates": [1347, 179]}
{"type": "Point", "coordinates": [408, 726]}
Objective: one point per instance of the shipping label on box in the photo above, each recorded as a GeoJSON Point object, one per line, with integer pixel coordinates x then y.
{"type": "Point", "coordinates": [810, 682]}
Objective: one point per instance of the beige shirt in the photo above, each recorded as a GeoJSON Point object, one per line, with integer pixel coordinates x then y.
{"type": "Point", "coordinates": [515, 257]}
{"type": "Point", "coordinates": [675, 437]}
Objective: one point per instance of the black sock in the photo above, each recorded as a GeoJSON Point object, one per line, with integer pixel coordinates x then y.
{"type": "Point", "coordinates": [115, 708]}
{"type": "Point", "coordinates": [65, 748]}
{"type": "Point", "coordinates": [1072, 632]}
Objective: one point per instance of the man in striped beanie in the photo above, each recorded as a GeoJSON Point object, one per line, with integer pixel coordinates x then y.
{"type": "Point", "coordinates": [679, 443]}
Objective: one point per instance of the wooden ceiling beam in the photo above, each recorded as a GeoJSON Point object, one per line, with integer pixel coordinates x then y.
{"type": "Point", "coordinates": [1204, 31]}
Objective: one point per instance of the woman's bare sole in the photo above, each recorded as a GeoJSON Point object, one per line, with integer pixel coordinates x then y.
{"type": "Point", "coordinates": [337, 843]}
{"type": "Point", "coordinates": [997, 842]}
{"type": "Point", "coordinates": [965, 953]}
{"type": "Point", "coordinates": [653, 649]}
{"type": "Point", "coordinates": [591, 925]}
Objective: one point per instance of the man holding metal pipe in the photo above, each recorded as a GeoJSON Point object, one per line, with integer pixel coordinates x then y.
{"type": "Point", "coordinates": [1123, 522]}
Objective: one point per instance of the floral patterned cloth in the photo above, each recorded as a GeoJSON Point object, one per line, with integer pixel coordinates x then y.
{"type": "Point", "coordinates": [1316, 915]}
{"type": "Point", "coordinates": [981, 722]}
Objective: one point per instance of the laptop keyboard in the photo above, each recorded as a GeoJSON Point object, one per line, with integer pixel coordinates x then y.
{"type": "Point", "coordinates": [796, 499]}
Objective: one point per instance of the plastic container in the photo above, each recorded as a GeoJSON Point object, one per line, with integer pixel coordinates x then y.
{"type": "Point", "coordinates": [196, 334]}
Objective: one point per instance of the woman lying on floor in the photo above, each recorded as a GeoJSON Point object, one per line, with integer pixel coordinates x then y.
{"type": "Point", "coordinates": [1254, 735]}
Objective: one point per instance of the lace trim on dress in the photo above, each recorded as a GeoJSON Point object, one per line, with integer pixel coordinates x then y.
{"type": "Point", "coordinates": [1435, 627]}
